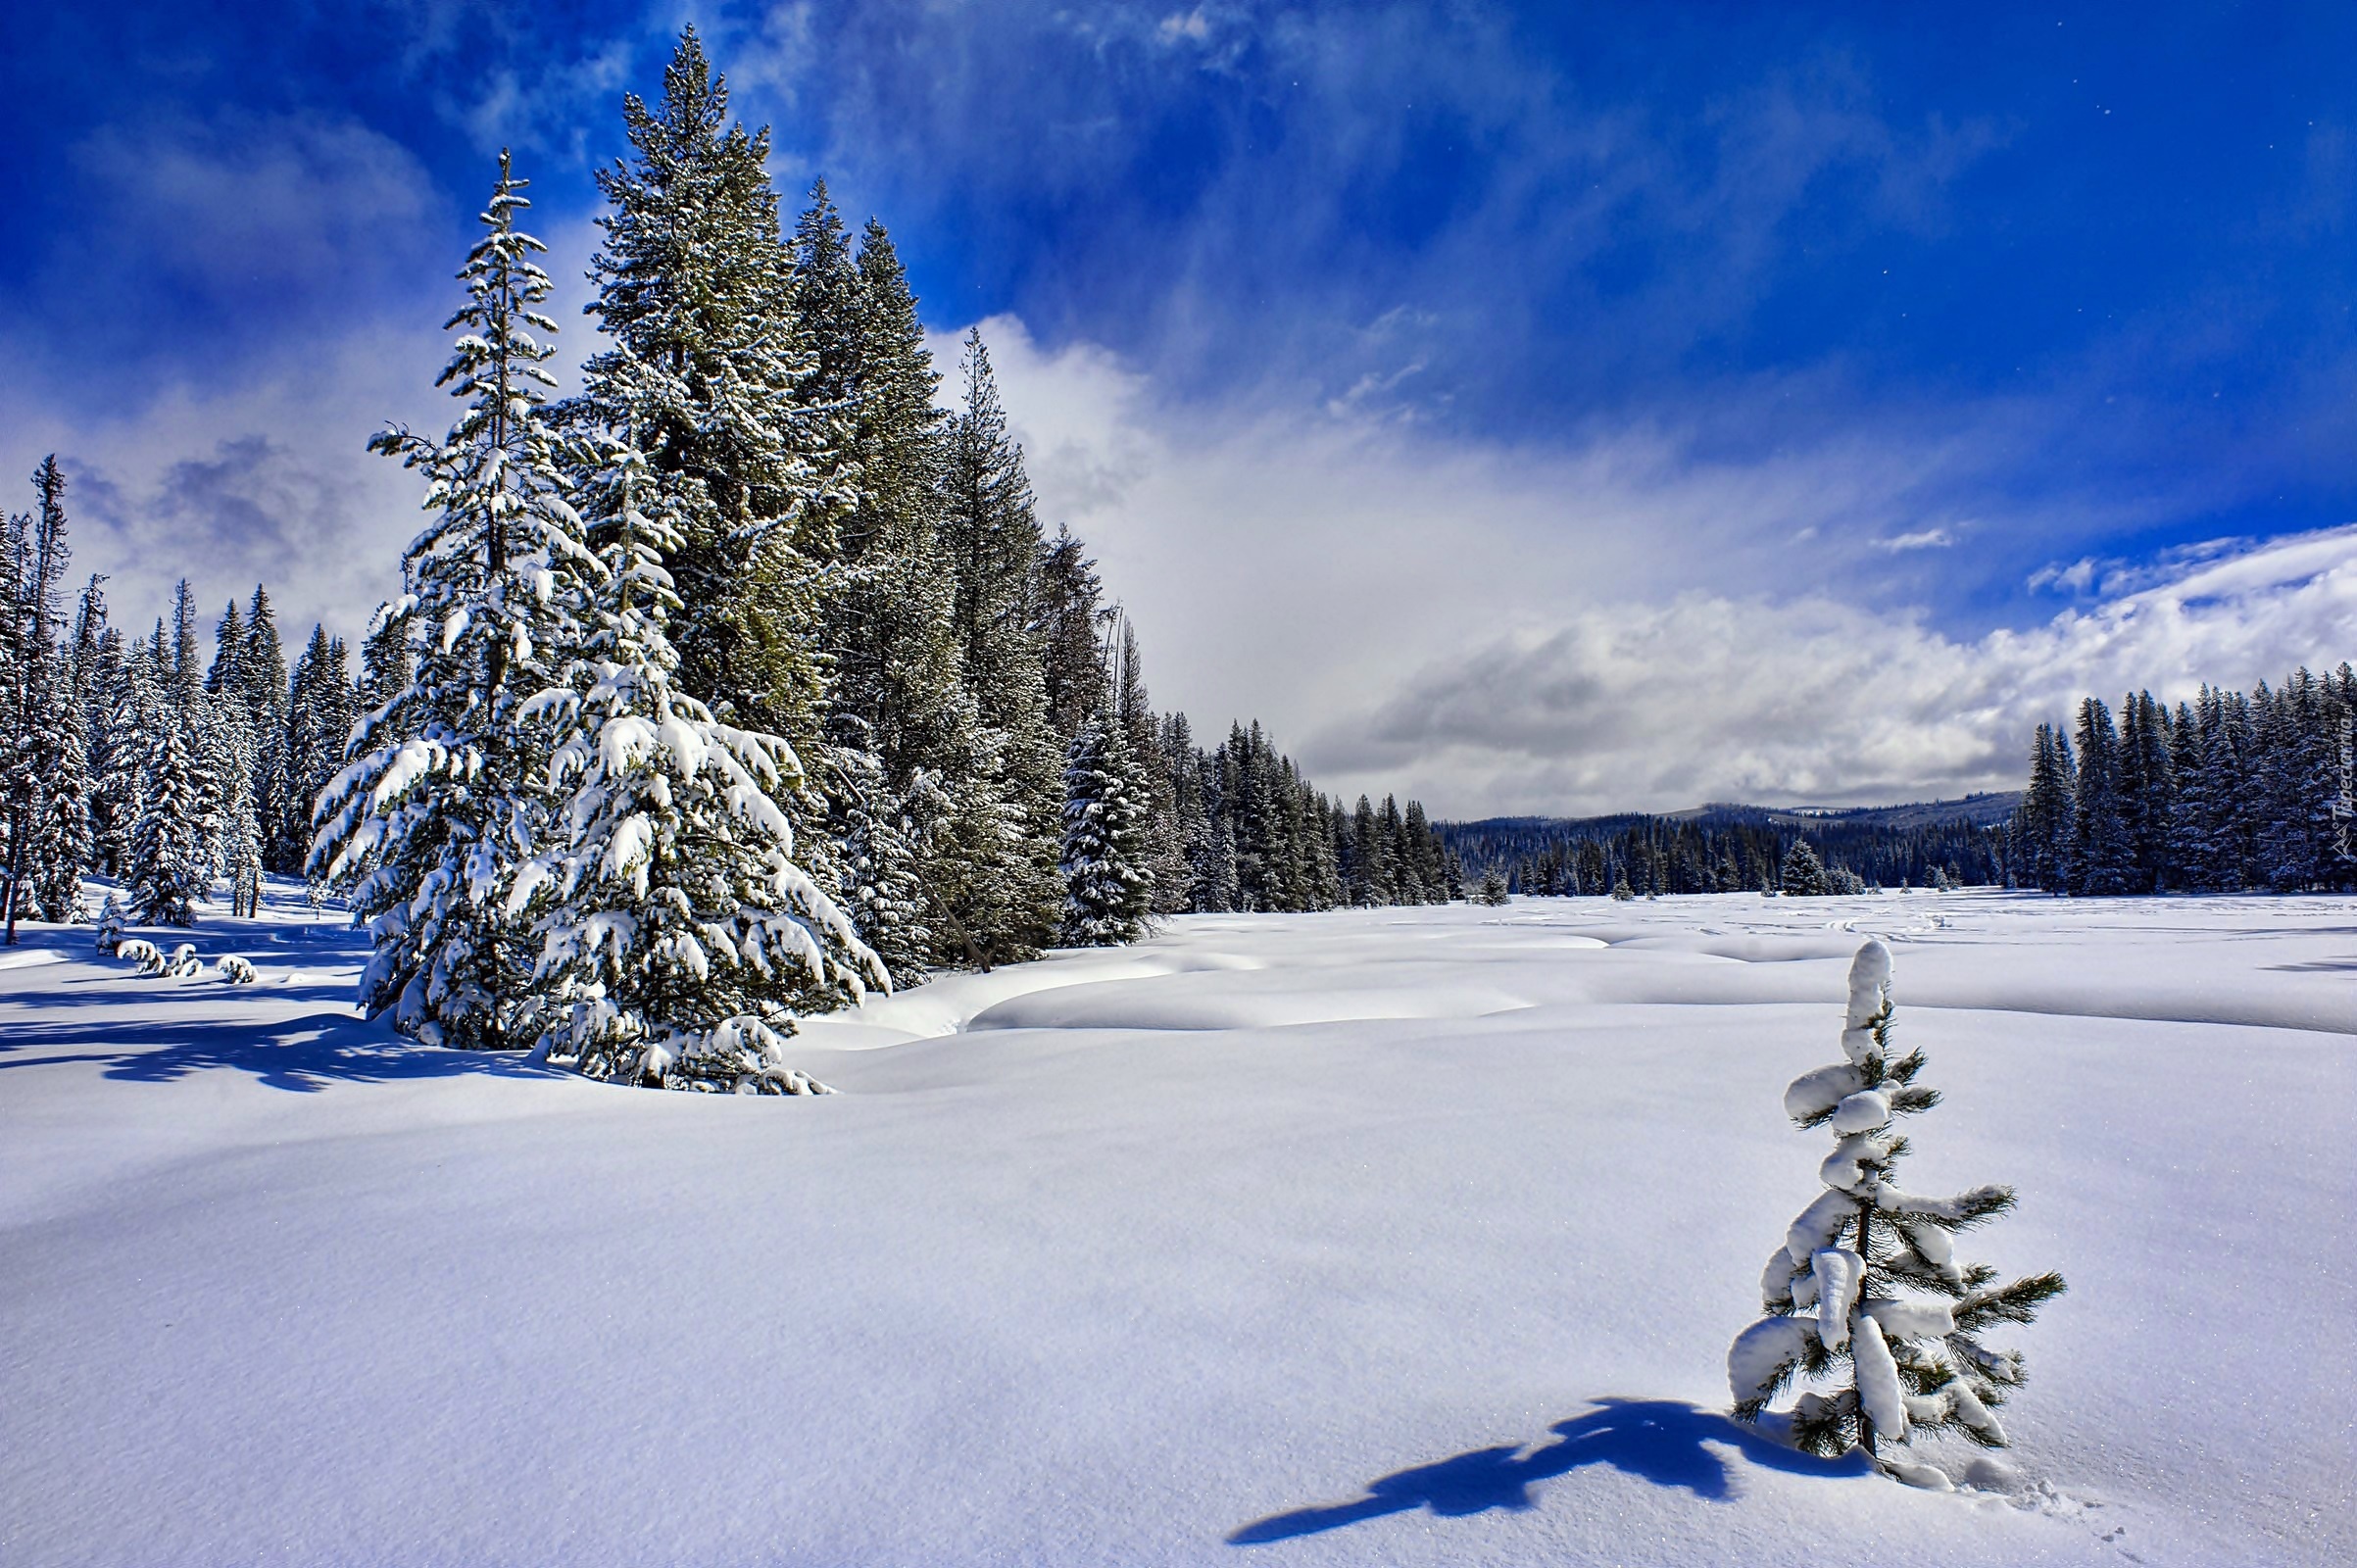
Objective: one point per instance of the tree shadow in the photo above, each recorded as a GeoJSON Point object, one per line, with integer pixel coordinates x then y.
{"type": "Point", "coordinates": [115, 987]}
{"type": "Point", "coordinates": [178, 1028]}
{"type": "Point", "coordinates": [302, 1055]}
{"type": "Point", "coordinates": [1665, 1442]}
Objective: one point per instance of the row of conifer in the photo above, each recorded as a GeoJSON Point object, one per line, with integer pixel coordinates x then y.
{"type": "Point", "coordinates": [2231, 790]}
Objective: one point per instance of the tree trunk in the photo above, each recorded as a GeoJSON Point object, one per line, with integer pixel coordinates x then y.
{"type": "Point", "coordinates": [16, 873]}
{"type": "Point", "coordinates": [1865, 1420]}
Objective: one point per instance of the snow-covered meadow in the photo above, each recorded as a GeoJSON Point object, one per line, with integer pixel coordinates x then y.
{"type": "Point", "coordinates": [1406, 1236]}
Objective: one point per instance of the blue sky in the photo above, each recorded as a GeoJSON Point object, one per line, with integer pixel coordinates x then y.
{"type": "Point", "coordinates": [1449, 384]}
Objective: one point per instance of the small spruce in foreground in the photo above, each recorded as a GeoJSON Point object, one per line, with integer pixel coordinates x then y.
{"type": "Point", "coordinates": [1865, 1296]}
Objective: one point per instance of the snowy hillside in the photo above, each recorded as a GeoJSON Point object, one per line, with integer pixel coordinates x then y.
{"type": "Point", "coordinates": [1403, 1236]}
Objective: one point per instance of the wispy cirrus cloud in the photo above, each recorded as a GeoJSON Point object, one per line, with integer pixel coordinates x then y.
{"type": "Point", "coordinates": [214, 243]}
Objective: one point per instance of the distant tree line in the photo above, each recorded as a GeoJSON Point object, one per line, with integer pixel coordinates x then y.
{"type": "Point", "coordinates": [2231, 790]}
{"type": "Point", "coordinates": [1726, 850]}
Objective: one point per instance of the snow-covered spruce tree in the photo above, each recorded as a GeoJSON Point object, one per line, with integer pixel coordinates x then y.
{"type": "Point", "coordinates": [384, 675]}
{"type": "Point", "coordinates": [319, 718]}
{"type": "Point", "coordinates": [1069, 617]}
{"type": "Point", "coordinates": [1803, 874]}
{"type": "Point", "coordinates": [448, 790]}
{"type": "Point", "coordinates": [1866, 1293]}
{"type": "Point", "coordinates": [185, 679]}
{"type": "Point", "coordinates": [98, 680]}
{"type": "Point", "coordinates": [2039, 834]}
{"type": "Point", "coordinates": [899, 693]}
{"type": "Point", "coordinates": [1108, 887]}
{"type": "Point", "coordinates": [695, 282]}
{"type": "Point", "coordinates": [2102, 857]}
{"type": "Point", "coordinates": [1004, 891]}
{"type": "Point", "coordinates": [880, 851]}
{"type": "Point", "coordinates": [226, 795]}
{"type": "Point", "coordinates": [35, 682]}
{"type": "Point", "coordinates": [63, 848]}
{"type": "Point", "coordinates": [132, 692]}
{"type": "Point", "coordinates": [167, 868]}
{"type": "Point", "coordinates": [677, 933]}
{"type": "Point", "coordinates": [1166, 828]}
{"type": "Point", "coordinates": [266, 694]}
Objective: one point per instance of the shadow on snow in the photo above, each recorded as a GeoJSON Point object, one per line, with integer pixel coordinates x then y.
{"type": "Point", "coordinates": [301, 1055]}
{"type": "Point", "coordinates": [1661, 1441]}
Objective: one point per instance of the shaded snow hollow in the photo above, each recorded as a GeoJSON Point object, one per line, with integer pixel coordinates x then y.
{"type": "Point", "coordinates": [1410, 1237]}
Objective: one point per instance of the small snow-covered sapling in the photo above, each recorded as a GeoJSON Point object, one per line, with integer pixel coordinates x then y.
{"type": "Point", "coordinates": [111, 921]}
{"type": "Point", "coordinates": [183, 964]}
{"type": "Point", "coordinates": [234, 969]}
{"type": "Point", "coordinates": [1866, 1282]}
{"type": "Point", "coordinates": [141, 951]}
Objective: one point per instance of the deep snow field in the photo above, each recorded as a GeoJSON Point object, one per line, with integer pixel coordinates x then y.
{"type": "Point", "coordinates": [1392, 1237]}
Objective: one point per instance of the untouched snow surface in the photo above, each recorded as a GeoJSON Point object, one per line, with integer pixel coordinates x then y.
{"type": "Point", "coordinates": [1402, 1237]}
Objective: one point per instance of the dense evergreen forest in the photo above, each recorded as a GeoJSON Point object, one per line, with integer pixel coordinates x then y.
{"type": "Point", "coordinates": [740, 682]}
{"type": "Point", "coordinates": [1724, 848]}
{"type": "Point", "coordinates": [2231, 791]}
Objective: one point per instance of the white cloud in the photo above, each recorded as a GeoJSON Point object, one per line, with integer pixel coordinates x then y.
{"type": "Point", "coordinates": [2076, 578]}
{"type": "Point", "coordinates": [1920, 539]}
{"type": "Point", "coordinates": [269, 480]}
{"type": "Point", "coordinates": [269, 483]}
{"type": "Point", "coordinates": [1706, 697]}
{"type": "Point", "coordinates": [546, 106]}
{"type": "Point", "coordinates": [1192, 25]}
{"type": "Point", "coordinates": [242, 205]}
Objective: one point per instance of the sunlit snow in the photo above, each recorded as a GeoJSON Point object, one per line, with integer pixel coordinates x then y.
{"type": "Point", "coordinates": [1402, 1237]}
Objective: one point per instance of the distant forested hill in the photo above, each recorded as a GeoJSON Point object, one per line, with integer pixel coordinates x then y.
{"type": "Point", "coordinates": [1725, 848]}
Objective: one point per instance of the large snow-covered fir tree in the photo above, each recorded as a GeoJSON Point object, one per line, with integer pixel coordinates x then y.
{"type": "Point", "coordinates": [696, 283]}
{"type": "Point", "coordinates": [37, 797]}
{"type": "Point", "coordinates": [1108, 883]}
{"type": "Point", "coordinates": [861, 573]}
{"type": "Point", "coordinates": [167, 868]}
{"type": "Point", "coordinates": [61, 847]}
{"type": "Point", "coordinates": [677, 933]}
{"type": "Point", "coordinates": [912, 761]}
{"type": "Point", "coordinates": [1005, 890]}
{"type": "Point", "coordinates": [319, 720]}
{"type": "Point", "coordinates": [1865, 1294]}
{"type": "Point", "coordinates": [449, 791]}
